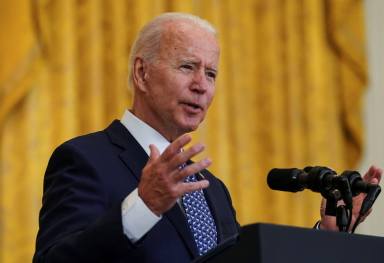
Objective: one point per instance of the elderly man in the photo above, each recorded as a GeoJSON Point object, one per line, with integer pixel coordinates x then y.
{"type": "Point", "coordinates": [105, 201]}
{"type": "Point", "coordinates": [130, 193]}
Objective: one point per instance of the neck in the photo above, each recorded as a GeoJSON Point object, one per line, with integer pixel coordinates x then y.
{"type": "Point", "coordinates": [168, 133]}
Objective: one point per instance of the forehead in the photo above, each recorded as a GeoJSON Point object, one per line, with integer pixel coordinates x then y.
{"type": "Point", "coordinates": [183, 38]}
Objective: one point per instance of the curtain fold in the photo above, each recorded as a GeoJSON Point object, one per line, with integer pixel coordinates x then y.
{"type": "Point", "coordinates": [289, 94]}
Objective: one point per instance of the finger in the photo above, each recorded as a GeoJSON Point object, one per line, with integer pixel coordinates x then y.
{"type": "Point", "coordinates": [154, 153]}
{"type": "Point", "coordinates": [378, 174]}
{"type": "Point", "coordinates": [373, 175]}
{"type": "Point", "coordinates": [184, 156]}
{"type": "Point", "coordinates": [176, 146]}
{"type": "Point", "coordinates": [374, 181]}
{"type": "Point", "coordinates": [373, 171]}
{"type": "Point", "coordinates": [192, 169]}
{"type": "Point", "coordinates": [193, 186]}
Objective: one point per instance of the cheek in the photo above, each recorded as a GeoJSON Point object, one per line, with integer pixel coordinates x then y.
{"type": "Point", "coordinates": [210, 95]}
{"type": "Point", "coordinates": [171, 85]}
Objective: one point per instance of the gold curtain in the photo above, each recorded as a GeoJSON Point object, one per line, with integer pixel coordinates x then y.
{"type": "Point", "coordinates": [289, 92]}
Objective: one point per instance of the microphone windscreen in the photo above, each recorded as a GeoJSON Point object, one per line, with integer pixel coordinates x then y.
{"type": "Point", "coordinates": [285, 179]}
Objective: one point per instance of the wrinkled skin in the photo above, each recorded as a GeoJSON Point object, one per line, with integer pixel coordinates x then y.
{"type": "Point", "coordinates": [172, 94]}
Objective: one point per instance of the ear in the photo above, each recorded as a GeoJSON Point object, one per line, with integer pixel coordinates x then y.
{"type": "Point", "coordinates": [139, 74]}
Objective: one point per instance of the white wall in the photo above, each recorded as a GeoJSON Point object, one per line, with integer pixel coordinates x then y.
{"type": "Point", "coordinates": [374, 108]}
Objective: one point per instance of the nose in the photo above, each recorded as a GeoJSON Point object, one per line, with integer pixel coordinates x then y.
{"type": "Point", "coordinates": [199, 82]}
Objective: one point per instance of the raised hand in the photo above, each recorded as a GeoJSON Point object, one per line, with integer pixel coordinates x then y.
{"type": "Point", "coordinates": [162, 179]}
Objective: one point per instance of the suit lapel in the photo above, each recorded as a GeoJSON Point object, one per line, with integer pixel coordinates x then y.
{"type": "Point", "coordinates": [177, 218]}
{"type": "Point", "coordinates": [135, 159]}
{"type": "Point", "coordinates": [132, 155]}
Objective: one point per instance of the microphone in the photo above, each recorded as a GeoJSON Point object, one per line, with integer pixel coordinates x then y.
{"type": "Point", "coordinates": [289, 179]}
{"type": "Point", "coordinates": [332, 187]}
{"type": "Point", "coordinates": [318, 179]}
{"type": "Point", "coordinates": [357, 184]}
{"type": "Point", "coordinates": [372, 194]}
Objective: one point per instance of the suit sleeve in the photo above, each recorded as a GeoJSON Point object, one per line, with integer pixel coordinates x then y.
{"type": "Point", "coordinates": [76, 224]}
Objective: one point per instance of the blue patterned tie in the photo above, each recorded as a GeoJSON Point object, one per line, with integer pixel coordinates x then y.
{"type": "Point", "coordinates": [199, 219]}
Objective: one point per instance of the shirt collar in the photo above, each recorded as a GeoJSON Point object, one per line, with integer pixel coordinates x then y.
{"type": "Point", "coordinates": [143, 133]}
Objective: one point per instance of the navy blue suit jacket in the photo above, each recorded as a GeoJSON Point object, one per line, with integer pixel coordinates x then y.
{"type": "Point", "coordinates": [87, 179]}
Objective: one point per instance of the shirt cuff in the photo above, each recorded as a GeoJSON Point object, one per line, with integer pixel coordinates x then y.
{"type": "Point", "coordinates": [137, 218]}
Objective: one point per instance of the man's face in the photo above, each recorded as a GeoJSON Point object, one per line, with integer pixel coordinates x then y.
{"type": "Point", "coordinates": [180, 84]}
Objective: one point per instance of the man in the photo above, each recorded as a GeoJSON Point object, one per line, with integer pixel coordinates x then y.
{"type": "Point", "coordinates": [105, 201]}
{"type": "Point", "coordinates": [130, 193]}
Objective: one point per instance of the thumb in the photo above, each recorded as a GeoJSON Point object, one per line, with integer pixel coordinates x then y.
{"type": "Point", "coordinates": [154, 153]}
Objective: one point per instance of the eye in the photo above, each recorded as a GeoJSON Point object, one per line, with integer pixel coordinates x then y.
{"type": "Point", "coordinates": [211, 74]}
{"type": "Point", "coordinates": [186, 67]}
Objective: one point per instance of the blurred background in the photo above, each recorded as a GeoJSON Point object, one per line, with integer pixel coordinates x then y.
{"type": "Point", "coordinates": [300, 83]}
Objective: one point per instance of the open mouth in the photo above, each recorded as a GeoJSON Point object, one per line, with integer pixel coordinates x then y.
{"type": "Point", "coordinates": [192, 106]}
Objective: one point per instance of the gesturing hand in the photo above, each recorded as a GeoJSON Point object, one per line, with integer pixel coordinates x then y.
{"type": "Point", "coordinates": [162, 179]}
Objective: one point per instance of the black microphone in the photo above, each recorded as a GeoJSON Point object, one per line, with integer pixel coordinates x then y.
{"type": "Point", "coordinates": [359, 186]}
{"type": "Point", "coordinates": [372, 194]}
{"type": "Point", "coordinates": [357, 183]}
{"type": "Point", "coordinates": [289, 179]}
{"type": "Point", "coordinates": [318, 179]}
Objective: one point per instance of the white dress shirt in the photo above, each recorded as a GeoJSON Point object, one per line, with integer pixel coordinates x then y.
{"type": "Point", "coordinates": [137, 218]}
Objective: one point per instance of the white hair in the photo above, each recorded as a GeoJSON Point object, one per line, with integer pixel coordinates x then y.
{"type": "Point", "coordinates": [147, 42]}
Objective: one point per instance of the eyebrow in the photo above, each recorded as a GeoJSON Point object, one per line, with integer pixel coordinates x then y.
{"type": "Point", "coordinates": [196, 62]}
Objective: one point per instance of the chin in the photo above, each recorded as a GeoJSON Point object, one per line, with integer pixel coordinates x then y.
{"type": "Point", "coordinates": [194, 126]}
{"type": "Point", "coordinates": [188, 123]}
{"type": "Point", "coordinates": [189, 126]}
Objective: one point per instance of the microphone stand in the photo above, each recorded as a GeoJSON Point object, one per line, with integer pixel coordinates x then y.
{"type": "Point", "coordinates": [331, 209]}
{"type": "Point", "coordinates": [342, 219]}
{"type": "Point", "coordinates": [332, 196]}
{"type": "Point", "coordinates": [333, 188]}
